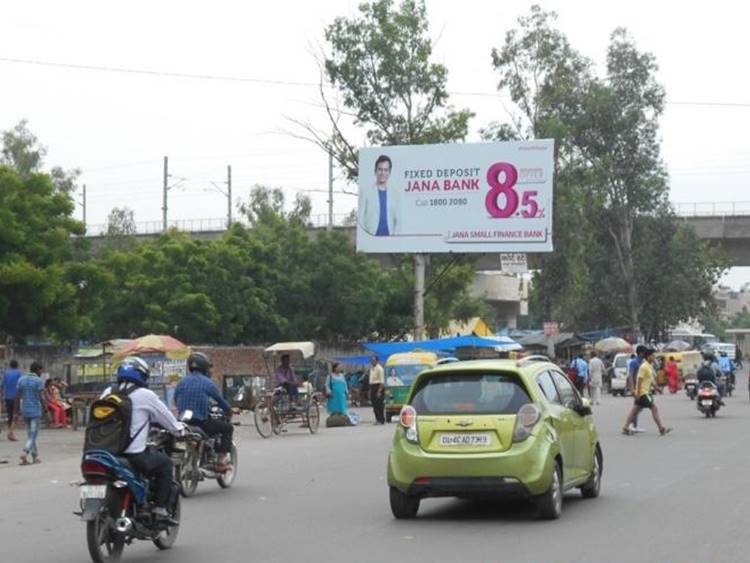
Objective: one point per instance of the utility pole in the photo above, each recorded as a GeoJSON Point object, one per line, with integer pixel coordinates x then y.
{"type": "Point", "coordinates": [82, 203]}
{"type": "Point", "coordinates": [330, 190]}
{"type": "Point", "coordinates": [166, 189]}
{"type": "Point", "coordinates": [229, 196]}
{"type": "Point", "coordinates": [420, 262]}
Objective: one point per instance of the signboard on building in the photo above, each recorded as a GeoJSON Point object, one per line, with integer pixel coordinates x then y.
{"type": "Point", "coordinates": [513, 263]}
{"type": "Point", "coordinates": [472, 197]}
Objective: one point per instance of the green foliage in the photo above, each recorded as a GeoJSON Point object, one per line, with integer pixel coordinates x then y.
{"type": "Point", "coordinates": [620, 259]}
{"type": "Point", "coordinates": [36, 298]}
{"type": "Point", "coordinates": [380, 62]}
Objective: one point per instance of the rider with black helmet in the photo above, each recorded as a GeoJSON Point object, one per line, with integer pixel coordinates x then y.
{"type": "Point", "coordinates": [193, 393]}
{"type": "Point", "coordinates": [132, 379]}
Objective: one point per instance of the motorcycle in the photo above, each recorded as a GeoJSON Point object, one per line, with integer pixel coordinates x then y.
{"type": "Point", "coordinates": [691, 388]}
{"type": "Point", "coordinates": [199, 459]}
{"type": "Point", "coordinates": [708, 399]}
{"type": "Point", "coordinates": [116, 504]}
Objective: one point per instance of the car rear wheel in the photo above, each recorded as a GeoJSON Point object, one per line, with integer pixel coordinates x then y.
{"type": "Point", "coordinates": [549, 505]}
{"type": "Point", "coordinates": [593, 486]}
{"type": "Point", "coordinates": [403, 505]}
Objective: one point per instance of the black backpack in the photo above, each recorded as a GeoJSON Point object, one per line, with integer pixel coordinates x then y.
{"type": "Point", "coordinates": [706, 373]}
{"type": "Point", "coordinates": [109, 423]}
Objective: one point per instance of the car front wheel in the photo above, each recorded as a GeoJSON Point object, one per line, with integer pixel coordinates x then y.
{"type": "Point", "coordinates": [549, 504]}
{"type": "Point", "coordinates": [402, 505]}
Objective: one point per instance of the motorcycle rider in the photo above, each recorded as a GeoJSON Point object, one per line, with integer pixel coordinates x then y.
{"type": "Point", "coordinates": [193, 393]}
{"type": "Point", "coordinates": [727, 367]}
{"type": "Point", "coordinates": [147, 409]}
{"type": "Point", "coordinates": [709, 371]}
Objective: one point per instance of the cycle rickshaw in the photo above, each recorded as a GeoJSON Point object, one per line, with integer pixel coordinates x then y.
{"type": "Point", "coordinates": [276, 409]}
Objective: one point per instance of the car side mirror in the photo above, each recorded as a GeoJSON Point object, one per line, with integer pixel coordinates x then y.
{"type": "Point", "coordinates": [584, 408]}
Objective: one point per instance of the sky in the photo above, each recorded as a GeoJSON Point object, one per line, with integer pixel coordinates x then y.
{"type": "Point", "coordinates": [117, 127]}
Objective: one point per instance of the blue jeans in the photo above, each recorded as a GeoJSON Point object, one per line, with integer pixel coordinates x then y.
{"type": "Point", "coordinates": [32, 431]}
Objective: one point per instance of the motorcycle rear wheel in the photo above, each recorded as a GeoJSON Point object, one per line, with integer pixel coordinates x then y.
{"type": "Point", "coordinates": [166, 539]}
{"type": "Point", "coordinates": [226, 479]}
{"type": "Point", "coordinates": [104, 543]}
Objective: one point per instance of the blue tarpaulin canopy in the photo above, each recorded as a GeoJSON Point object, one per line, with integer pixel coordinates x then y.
{"type": "Point", "coordinates": [500, 343]}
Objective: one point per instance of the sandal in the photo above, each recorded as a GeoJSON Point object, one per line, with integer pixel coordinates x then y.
{"type": "Point", "coordinates": [664, 431]}
{"type": "Point", "coordinates": [627, 432]}
{"type": "Point", "coordinates": [37, 460]}
{"type": "Point", "coordinates": [24, 460]}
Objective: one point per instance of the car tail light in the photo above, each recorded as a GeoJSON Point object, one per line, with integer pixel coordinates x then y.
{"type": "Point", "coordinates": [408, 420]}
{"type": "Point", "coordinates": [528, 415]}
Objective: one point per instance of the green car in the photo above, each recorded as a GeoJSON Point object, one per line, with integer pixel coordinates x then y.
{"type": "Point", "coordinates": [494, 428]}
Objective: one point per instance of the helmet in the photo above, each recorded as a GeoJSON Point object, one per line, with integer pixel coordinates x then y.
{"type": "Point", "coordinates": [133, 370]}
{"type": "Point", "coordinates": [198, 361]}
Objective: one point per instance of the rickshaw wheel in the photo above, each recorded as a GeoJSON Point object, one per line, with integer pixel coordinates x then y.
{"type": "Point", "coordinates": [313, 416]}
{"type": "Point", "coordinates": [276, 422]}
{"type": "Point", "coordinates": [264, 417]}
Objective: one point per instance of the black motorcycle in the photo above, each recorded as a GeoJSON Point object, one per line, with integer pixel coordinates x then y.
{"type": "Point", "coordinates": [708, 401]}
{"type": "Point", "coordinates": [691, 388]}
{"type": "Point", "coordinates": [116, 504]}
{"type": "Point", "coordinates": [199, 461]}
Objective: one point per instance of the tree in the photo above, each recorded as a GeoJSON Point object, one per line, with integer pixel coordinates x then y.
{"type": "Point", "coordinates": [21, 150]}
{"type": "Point", "coordinates": [379, 61]}
{"type": "Point", "coordinates": [617, 134]}
{"type": "Point", "coordinates": [121, 222]}
{"type": "Point", "coordinates": [610, 183]}
{"type": "Point", "coordinates": [36, 299]}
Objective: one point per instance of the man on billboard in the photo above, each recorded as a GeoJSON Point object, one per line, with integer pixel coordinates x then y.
{"type": "Point", "coordinates": [379, 215]}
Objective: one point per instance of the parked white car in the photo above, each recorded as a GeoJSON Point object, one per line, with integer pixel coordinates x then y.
{"type": "Point", "coordinates": [619, 383]}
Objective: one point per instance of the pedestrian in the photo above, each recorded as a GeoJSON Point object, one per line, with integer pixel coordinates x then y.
{"type": "Point", "coordinates": [377, 389]}
{"type": "Point", "coordinates": [582, 373]}
{"type": "Point", "coordinates": [336, 391]}
{"type": "Point", "coordinates": [644, 398]}
{"type": "Point", "coordinates": [9, 386]}
{"type": "Point", "coordinates": [737, 356]}
{"type": "Point", "coordinates": [633, 365]}
{"type": "Point", "coordinates": [596, 374]}
{"type": "Point", "coordinates": [30, 388]}
{"type": "Point", "coordinates": [673, 377]}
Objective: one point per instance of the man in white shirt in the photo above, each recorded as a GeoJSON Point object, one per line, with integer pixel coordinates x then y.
{"type": "Point", "coordinates": [596, 376]}
{"type": "Point", "coordinates": [377, 389]}
{"type": "Point", "coordinates": [132, 379]}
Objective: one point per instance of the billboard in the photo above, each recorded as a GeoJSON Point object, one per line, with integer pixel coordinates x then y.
{"type": "Point", "coordinates": [473, 197]}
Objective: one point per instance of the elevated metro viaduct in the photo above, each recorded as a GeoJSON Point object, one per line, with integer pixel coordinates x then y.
{"type": "Point", "coordinates": [730, 232]}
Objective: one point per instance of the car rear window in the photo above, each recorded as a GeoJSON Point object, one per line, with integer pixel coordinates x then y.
{"type": "Point", "coordinates": [469, 393]}
{"type": "Point", "coordinates": [621, 362]}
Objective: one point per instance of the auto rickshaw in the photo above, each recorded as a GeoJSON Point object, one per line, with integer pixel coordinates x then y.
{"type": "Point", "coordinates": [400, 371]}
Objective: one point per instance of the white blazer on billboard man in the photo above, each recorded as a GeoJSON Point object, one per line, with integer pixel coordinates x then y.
{"type": "Point", "coordinates": [373, 219]}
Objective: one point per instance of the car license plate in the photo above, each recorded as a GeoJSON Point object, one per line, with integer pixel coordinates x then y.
{"type": "Point", "coordinates": [707, 403]}
{"type": "Point", "coordinates": [93, 491]}
{"type": "Point", "coordinates": [465, 439]}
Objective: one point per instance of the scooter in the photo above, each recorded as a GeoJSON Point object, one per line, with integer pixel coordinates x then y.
{"type": "Point", "coordinates": [708, 399]}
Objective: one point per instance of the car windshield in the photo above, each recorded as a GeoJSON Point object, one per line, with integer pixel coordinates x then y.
{"type": "Point", "coordinates": [405, 374]}
{"type": "Point", "coordinates": [621, 362]}
{"type": "Point", "coordinates": [469, 393]}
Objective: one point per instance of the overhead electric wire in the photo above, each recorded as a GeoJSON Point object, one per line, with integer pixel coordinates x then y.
{"type": "Point", "coordinates": [275, 82]}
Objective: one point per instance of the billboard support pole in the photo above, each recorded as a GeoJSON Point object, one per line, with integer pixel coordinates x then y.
{"type": "Point", "coordinates": [419, 275]}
